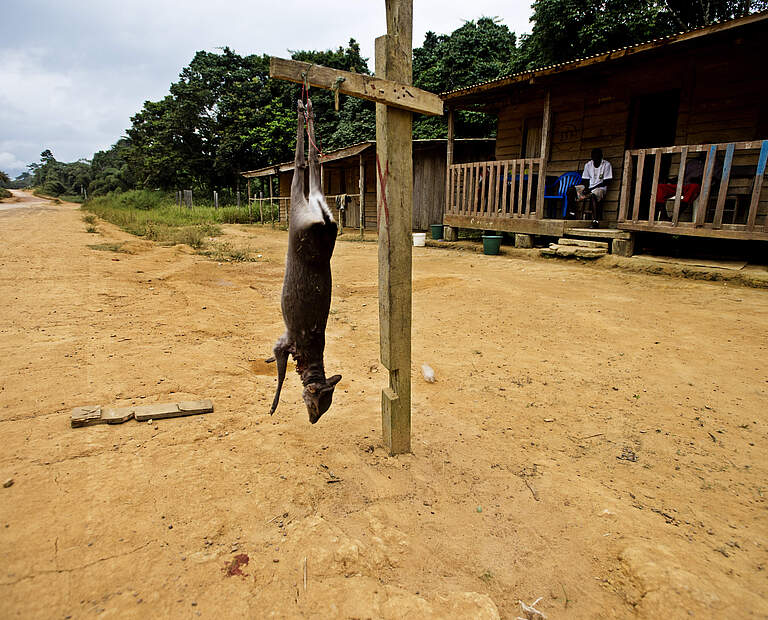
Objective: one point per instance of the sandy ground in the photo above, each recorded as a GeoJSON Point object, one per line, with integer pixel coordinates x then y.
{"type": "Point", "coordinates": [595, 437]}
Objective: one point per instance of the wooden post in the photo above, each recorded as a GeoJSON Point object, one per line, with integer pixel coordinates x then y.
{"type": "Point", "coordinates": [706, 187]}
{"type": "Point", "coordinates": [626, 174]}
{"type": "Point", "coordinates": [759, 173]}
{"type": "Point", "coordinates": [248, 184]}
{"type": "Point", "coordinates": [396, 99]}
{"type": "Point", "coordinates": [679, 188]}
{"type": "Point", "coordinates": [361, 190]}
{"type": "Point", "coordinates": [278, 199]}
{"type": "Point", "coordinates": [725, 178]}
{"type": "Point", "coordinates": [261, 207]}
{"type": "Point", "coordinates": [654, 187]}
{"type": "Point", "coordinates": [546, 124]}
{"type": "Point", "coordinates": [394, 163]}
{"type": "Point", "coordinates": [271, 208]}
{"type": "Point", "coordinates": [448, 164]}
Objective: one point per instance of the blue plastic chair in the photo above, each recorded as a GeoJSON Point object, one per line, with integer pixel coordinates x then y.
{"type": "Point", "coordinates": [559, 189]}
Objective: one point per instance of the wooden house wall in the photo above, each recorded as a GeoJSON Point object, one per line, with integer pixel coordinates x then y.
{"type": "Point", "coordinates": [429, 166]}
{"type": "Point", "coordinates": [723, 98]}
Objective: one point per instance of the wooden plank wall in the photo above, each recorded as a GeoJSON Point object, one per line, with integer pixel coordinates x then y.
{"type": "Point", "coordinates": [428, 187]}
{"type": "Point", "coordinates": [722, 97]}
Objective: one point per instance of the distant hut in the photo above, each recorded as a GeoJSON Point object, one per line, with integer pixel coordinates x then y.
{"type": "Point", "coordinates": [343, 169]}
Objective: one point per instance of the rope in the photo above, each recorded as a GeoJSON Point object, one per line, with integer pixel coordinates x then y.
{"type": "Point", "coordinates": [305, 100]}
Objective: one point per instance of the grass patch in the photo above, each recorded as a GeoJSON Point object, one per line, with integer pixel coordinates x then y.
{"type": "Point", "coordinates": [4, 193]}
{"type": "Point", "coordinates": [89, 219]}
{"type": "Point", "coordinates": [156, 216]}
{"type": "Point", "coordinates": [107, 247]}
{"type": "Point", "coordinates": [91, 229]}
{"type": "Point", "coordinates": [226, 253]}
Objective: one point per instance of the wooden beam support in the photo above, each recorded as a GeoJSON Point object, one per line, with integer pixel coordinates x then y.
{"type": "Point", "coordinates": [397, 93]}
{"type": "Point", "coordinates": [725, 179]}
{"type": "Point", "coordinates": [679, 188]}
{"type": "Point", "coordinates": [706, 186]}
{"type": "Point", "coordinates": [448, 164]}
{"type": "Point", "coordinates": [626, 175]}
{"type": "Point", "coordinates": [758, 184]}
{"type": "Point", "coordinates": [394, 163]}
{"type": "Point", "coordinates": [546, 123]}
{"type": "Point", "coordinates": [271, 207]}
{"type": "Point", "coordinates": [361, 191]}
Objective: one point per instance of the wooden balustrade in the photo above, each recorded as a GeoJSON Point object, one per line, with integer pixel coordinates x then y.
{"type": "Point", "coordinates": [730, 201]}
{"type": "Point", "coordinates": [494, 189]}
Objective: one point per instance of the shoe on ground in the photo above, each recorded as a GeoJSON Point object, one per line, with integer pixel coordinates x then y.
{"type": "Point", "coordinates": [595, 224]}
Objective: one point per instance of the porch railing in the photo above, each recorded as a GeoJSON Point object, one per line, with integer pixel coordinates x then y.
{"type": "Point", "coordinates": [494, 189]}
{"type": "Point", "coordinates": [729, 192]}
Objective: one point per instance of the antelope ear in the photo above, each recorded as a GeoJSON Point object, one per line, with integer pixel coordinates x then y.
{"type": "Point", "coordinates": [331, 381]}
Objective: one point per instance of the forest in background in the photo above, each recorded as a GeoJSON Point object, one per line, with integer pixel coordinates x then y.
{"type": "Point", "coordinates": [224, 115]}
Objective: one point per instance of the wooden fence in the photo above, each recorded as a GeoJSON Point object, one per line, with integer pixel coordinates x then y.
{"type": "Point", "coordinates": [494, 189]}
{"type": "Point", "coordinates": [731, 202]}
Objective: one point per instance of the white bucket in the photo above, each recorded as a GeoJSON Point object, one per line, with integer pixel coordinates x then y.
{"type": "Point", "coordinates": [419, 239]}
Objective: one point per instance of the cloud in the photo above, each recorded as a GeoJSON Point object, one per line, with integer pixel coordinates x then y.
{"type": "Point", "coordinates": [9, 164]}
{"type": "Point", "coordinates": [73, 73]}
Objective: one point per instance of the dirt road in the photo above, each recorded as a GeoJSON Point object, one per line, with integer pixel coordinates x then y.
{"type": "Point", "coordinates": [23, 200]}
{"type": "Point", "coordinates": [595, 438]}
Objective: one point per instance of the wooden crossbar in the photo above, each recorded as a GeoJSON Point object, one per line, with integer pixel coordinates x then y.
{"type": "Point", "coordinates": [358, 85]}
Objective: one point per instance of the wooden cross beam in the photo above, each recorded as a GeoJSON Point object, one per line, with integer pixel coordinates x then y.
{"type": "Point", "coordinates": [389, 92]}
{"type": "Point", "coordinates": [395, 100]}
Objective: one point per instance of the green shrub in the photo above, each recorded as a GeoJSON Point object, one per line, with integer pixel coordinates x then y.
{"type": "Point", "coordinates": [4, 193]}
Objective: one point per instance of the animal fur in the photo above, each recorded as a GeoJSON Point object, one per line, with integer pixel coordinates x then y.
{"type": "Point", "coordinates": [306, 297]}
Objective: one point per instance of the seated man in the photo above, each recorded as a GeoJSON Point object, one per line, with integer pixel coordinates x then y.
{"type": "Point", "coordinates": [595, 177]}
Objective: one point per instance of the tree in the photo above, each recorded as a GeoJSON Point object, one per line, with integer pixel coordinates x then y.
{"type": "Point", "coordinates": [356, 119]}
{"type": "Point", "coordinates": [476, 52]}
{"type": "Point", "coordinates": [564, 30]}
{"type": "Point", "coordinates": [687, 15]}
{"type": "Point", "coordinates": [4, 179]}
{"type": "Point", "coordinates": [224, 115]}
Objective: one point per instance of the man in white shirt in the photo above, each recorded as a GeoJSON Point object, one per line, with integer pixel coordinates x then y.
{"type": "Point", "coordinates": [595, 177]}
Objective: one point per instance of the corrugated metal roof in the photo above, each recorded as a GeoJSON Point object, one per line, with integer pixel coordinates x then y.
{"type": "Point", "coordinates": [614, 54]}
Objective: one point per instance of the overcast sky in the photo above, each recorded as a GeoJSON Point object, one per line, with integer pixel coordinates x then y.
{"type": "Point", "coordinates": [73, 72]}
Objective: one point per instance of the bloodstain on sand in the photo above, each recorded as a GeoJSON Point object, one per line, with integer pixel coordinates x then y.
{"type": "Point", "coordinates": [233, 567]}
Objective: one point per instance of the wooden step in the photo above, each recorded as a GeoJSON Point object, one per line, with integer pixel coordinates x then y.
{"type": "Point", "coordinates": [597, 233]}
{"type": "Point", "coordinates": [584, 243]}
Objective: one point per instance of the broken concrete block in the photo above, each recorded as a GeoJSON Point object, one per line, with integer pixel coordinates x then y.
{"type": "Point", "coordinates": [95, 414]}
{"type": "Point", "coordinates": [172, 410]}
{"type": "Point", "coordinates": [84, 416]}
{"type": "Point", "coordinates": [523, 240]}
{"type": "Point", "coordinates": [623, 247]}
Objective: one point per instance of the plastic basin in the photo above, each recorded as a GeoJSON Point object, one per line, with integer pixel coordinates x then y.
{"type": "Point", "coordinates": [419, 239]}
{"type": "Point", "coordinates": [491, 244]}
{"type": "Point", "coordinates": [437, 231]}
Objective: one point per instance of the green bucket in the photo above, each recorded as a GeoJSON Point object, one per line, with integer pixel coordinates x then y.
{"type": "Point", "coordinates": [491, 244]}
{"type": "Point", "coordinates": [437, 231]}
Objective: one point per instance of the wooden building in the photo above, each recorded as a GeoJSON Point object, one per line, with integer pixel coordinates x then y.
{"type": "Point", "coordinates": [343, 169]}
{"type": "Point", "coordinates": [651, 108]}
